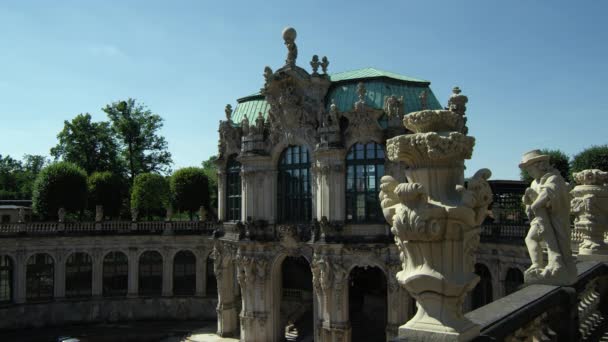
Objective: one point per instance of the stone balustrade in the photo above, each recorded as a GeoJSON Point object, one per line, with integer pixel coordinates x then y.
{"type": "Point", "coordinates": [549, 313]}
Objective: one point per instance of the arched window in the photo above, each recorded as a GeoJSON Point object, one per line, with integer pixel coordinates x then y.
{"type": "Point", "coordinates": [233, 189]}
{"type": "Point", "coordinates": [6, 279]}
{"type": "Point", "coordinates": [364, 168]}
{"type": "Point", "coordinates": [78, 275]}
{"type": "Point", "coordinates": [482, 293]}
{"type": "Point", "coordinates": [150, 274]}
{"type": "Point", "coordinates": [513, 280]}
{"type": "Point", "coordinates": [115, 274]}
{"type": "Point", "coordinates": [39, 274]}
{"type": "Point", "coordinates": [294, 202]}
{"type": "Point", "coordinates": [211, 287]}
{"type": "Point", "coordinates": [184, 273]}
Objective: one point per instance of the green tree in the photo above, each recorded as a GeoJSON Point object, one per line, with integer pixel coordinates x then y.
{"type": "Point", "coordinates": [59, 185]}
{"type": "Point", "coordinates": [594, 157]}
{"type": "Point", "coordinates": [150, 194]}
{"type": "Point", "coordinates": [32, 165]}
{"type": "Point", "coordinates": [109, 190]}
{"type": "Point", "coordinates": [136, 128]}
{"type": "Point", "coordinates": [10, 169]}
{"type": "Point", "coordinates": [190, 189]}
{"type": "Point", "coordinates": [557, 159]}
{"type": "Point", "coordinates": [210, 169]}
{"type": "Point", "coordinates": [89, 145]}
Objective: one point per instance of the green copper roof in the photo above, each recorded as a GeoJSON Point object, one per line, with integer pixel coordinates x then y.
{"type": "Point", "coordinates": [343, 92]}
{"type": "Point", "coordinates": [250, 106]}
{"type": "Point", "coordinates": [345, 95]}
{"type": "Point", "coordinates": [371, 73]}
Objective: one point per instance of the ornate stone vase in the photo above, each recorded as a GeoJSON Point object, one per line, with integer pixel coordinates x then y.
{"type": "Point", "coordinates": [590, 207]}
{"type": "Point", "coordinates": [436, 221]}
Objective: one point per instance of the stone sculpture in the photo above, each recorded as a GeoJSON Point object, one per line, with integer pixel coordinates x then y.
{"type": "Point", "coordinates": [61, 215]}
{"type": "Point", "coordinates": [289, 35]}
{"type": "Point", "coordinates": [98, 213]}
{"type": "Point", "coordinates": [590, 207]}
{"type": "Point", "coordinates": [436, 222]}
{"type": "Point", "coordinates": [315, 65]}
{"type": "Point", "coordinates": [547, 204]}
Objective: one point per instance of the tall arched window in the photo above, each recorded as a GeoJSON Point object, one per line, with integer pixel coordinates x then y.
{"type": "Point", "coordinates": [184, 273]}
{"type": "Point", "coordinates": [115, 274]}
{"type": "Point", "coordinates": [513, 280]}
{"type": "Point", "coordinates": [233, 189]}
{"type": "Point", "coordinates": [364, 168]}
{"type": "Point", "coordinates": [294, 202]}
{"type": "Point", "coordinates": [150, 274]}
{"type": "Point", "coordinates": [78, 275]}
{"type": "Point", "coordinates": [482, 293]}
{"type": "Point", "coordinates": [6, 279]}
{"type": "Point", "coordinates": [40, 272]}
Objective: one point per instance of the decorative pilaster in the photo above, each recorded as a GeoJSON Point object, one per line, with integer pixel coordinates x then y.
{"type": "Point", "coordinates": [329, 183]}
{"type": "Point", "coordinates": [19, 282]}
{"type": "Point", "coordinates": [59, 280]}
{"type": "Point", "coordinates": [252, 274]}
{"type": "Point", "coordinates": [133, 281]}
{"type": "Point", "coordinates": [221, 194]}
{"type": "Point", "coordinates": [97, 273]}
{"type": "Point", "coordinates": [167, 289]}
{"type": "Point", "coordinates": [590, 207]}
{"type": "Point", "coordinates": [200, 273]}
{"type": "Point", "coordinates": [436, 221]}
{"type": "Point", "coordinates": [223, 268]}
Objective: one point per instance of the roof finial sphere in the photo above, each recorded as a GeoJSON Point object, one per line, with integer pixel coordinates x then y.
{"type": "Point", "coordinates": [289, 34]}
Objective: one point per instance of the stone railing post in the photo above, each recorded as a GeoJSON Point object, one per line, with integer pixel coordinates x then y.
{"type": "Point", "coordinates": [436, 220]}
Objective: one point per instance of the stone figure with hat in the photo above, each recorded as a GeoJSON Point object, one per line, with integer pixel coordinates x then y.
{"type": "Point", "coordinates": [547, 202]}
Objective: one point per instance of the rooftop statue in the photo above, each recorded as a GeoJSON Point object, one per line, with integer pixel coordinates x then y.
{"type": "Point", "coordinates": [289, 35]}
{"type": "Point", "coordinates": [548, 207]}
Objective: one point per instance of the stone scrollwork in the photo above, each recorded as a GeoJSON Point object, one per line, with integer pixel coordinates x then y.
{"type": "Point", "coordinates": [288, 235]}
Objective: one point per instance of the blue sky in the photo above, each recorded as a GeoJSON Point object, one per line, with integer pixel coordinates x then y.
{"type": "Point", "coordinates": [535, 71]}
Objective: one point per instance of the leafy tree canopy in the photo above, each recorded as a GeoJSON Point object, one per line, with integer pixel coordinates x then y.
{"type": "Point", "coordinates": [190, 189]}
{"type": "Point", "coordinates": [150, 194]}
{"type": "Point", "coordinates": [557, 159]}
{"type": "Point", "coordinates": [594, 157]}
{"type": "Point", "coordinates": [137, 130]}
{"type": "Point", "coordinates": [89, 145]}
{"type": "Point", "coordinates": [210, 169]}
{"type": "Point", "coordinates": [109, 190]}
{"type": "Point", "coordinates": [17, 177]}
{"type": "Point", "coordinates": [59, 185]}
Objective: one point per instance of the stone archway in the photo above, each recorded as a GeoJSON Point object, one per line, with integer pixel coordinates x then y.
{"type": "Point", "coordinates": [367, 304]}
{"type": "Point", "coordinates": [292, 299]}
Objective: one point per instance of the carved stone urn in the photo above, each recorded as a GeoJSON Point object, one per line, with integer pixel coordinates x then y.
{"type": "Point", "coordinates": [436, 221]}
{"type": "Point", "coordinates": [590, 206]}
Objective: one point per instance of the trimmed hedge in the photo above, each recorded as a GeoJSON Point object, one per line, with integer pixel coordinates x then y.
{"type": "Point", "coordinates": [59, 185]}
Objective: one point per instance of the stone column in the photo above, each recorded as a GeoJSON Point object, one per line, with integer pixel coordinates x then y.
{"type": "Point", "coordinates": [329, 184]}
{"type": "Point", "coordinates": [436, 220]}
{"type": "Point", "coordinates": [133, 281]}
{"type": "Point", "coordinates": [330, 282]}
{"type": "Point", "coordinates": [590, 207]}
{"type": "Point", "coordinates": [255, 291]}
{"type": "Point", "coordinates": [97, 273]}
{"type": "Point", "coordinates": [59, 278]}
{"type": "Point", "coordinates": [221, 194]}
{"type": "Point", "coordinates": [19, 282]}
{"type": "Point", "coordinates": [167, 290]}
{"type": "Point", "coordinates": [257, 188]}
{"type": "Point", "coordinates": [223, 267]}
{"type": "Point", "coordinates": [200, 273]}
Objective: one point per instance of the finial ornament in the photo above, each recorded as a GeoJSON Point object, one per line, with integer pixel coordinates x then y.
{"type": "Point", "coordinates": [289, 35]}
{"type": "Point", "coordinates": [315, 65]}
{"type": "Point", "coordinates": [228, 111]}
{"type": "Point", "coordinates": [423, 97]}
{"type": "Point", "coordinates": [324, 64]}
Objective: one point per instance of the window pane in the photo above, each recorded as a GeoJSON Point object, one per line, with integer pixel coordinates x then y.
{"type": "Point", "coordinates": [363, 175]}
{"type": "Point", "coordinates": [294, 189]}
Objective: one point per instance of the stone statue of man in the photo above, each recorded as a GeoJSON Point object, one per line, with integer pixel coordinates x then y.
{"type": "Point", "coordinates": [547, 203]}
